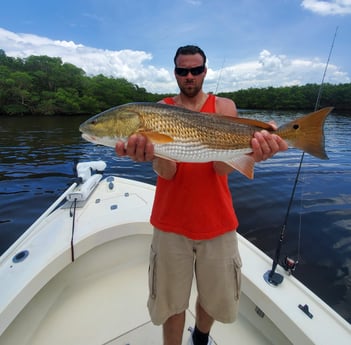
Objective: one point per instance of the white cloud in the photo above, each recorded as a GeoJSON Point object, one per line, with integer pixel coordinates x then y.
{"type": "Point", "coordinates": [135, 66]}
{"type": "Point", "coordinates": [274, 70]}
{"type": "Point", "coordinates": [129, 64]}
{"type": "Point", "coordinates": [332, 7]}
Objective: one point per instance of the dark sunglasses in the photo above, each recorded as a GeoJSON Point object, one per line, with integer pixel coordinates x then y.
{"type": "Point", "coordinates": [185, 71]}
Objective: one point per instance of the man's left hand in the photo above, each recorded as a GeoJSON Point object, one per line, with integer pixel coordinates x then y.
{"type": "Point", "coordinates": [265, 145]}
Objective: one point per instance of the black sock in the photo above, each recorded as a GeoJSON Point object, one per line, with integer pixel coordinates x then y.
{"type": "Point", "coordinates": [200, 338]}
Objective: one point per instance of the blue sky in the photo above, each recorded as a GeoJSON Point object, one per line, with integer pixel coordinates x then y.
{"type": "Point", "coordinates": [249, 43]}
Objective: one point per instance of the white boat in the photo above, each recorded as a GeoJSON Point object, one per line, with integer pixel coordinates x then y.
{"type": "Point", "coordinates": [78, 275]}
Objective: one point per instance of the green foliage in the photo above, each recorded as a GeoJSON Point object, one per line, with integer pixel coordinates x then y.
{"type": "Point", "coordinates": [293, 97]}
{"type": "Point", "coordinates": [44, 85]}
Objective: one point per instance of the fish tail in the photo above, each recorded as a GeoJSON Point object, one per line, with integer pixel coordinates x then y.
{"type": "Point", "coordinates": [307, 133]}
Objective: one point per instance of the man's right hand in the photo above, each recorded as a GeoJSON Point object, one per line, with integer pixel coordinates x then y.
{"type": "Point", "coordinates": [138, 148]}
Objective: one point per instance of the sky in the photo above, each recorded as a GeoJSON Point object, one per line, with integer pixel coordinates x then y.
{"type": "Point", "coordinates": [248, 43]}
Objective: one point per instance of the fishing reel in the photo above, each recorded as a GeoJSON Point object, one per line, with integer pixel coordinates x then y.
{"type": "Point", "coordinates": [289, 265]}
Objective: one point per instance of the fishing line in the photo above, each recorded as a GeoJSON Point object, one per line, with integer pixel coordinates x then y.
{"type": "Point", "coordinates": [316, 106]}
{"type": "Point", "coordinates": [271, 276]}
{"type": "Point", "coordinates": [325, 71]}
{"type": "Point", "coordinates": [219, 77]}
{"type": "Point", "coordinates": [300, 227]}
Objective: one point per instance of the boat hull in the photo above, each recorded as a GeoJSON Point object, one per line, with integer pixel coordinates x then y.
{"type": "Point", "coordinates": [100, 297]}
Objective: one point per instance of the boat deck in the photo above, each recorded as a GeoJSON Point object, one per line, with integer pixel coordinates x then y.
{"type": "Point", "coordinates": [97, 286]}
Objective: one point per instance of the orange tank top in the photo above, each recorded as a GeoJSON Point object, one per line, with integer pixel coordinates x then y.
{"type": "Point", "coordinates": [197, 202]}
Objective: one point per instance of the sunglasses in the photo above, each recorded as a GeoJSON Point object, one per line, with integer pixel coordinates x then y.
{"type": "Point", "coordinates": [185, 71]}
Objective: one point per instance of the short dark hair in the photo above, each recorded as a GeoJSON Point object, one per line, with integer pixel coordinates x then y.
{"type": "Point", "coordinates": [189, 50]}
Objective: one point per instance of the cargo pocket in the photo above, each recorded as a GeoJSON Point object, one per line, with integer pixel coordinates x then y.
{"type": "Point", "coordinates": [237, 276]}
{"type": "Point", "coordinates": [152, 274]}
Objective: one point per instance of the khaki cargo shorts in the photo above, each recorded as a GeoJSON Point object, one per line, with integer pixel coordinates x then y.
{"type": "Point", "coordinates": [216, 263]}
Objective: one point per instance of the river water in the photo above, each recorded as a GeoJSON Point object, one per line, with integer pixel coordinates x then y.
{"type": "Point", "coordinates": [36, 166]}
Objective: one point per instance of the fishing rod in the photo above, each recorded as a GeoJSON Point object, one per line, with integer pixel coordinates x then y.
{"type": "Point", "coordinates": [271, 276]}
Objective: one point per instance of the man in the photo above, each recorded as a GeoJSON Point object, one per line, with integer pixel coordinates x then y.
{"type": "Point", "coordinates": [193, 218]}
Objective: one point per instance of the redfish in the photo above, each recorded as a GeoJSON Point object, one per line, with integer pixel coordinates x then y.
{"type": "Point", "coordinates": [186, 136]}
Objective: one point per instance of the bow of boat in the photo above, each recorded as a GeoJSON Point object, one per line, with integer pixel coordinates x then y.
{"type": "Point", "coordinates": [79, 276]}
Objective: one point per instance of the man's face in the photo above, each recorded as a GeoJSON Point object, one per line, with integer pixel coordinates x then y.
{"type": "Point", "coordinates": [190, 84]}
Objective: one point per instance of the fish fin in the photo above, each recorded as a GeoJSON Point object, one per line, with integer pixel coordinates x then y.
{"type": "Point", "coordinates": [248, 122]}
{"type": "Point", "coordinates": [255, 123]}
{"type": "Point", "coordinates": [165, 157]}
{"type": "Point", "coordinates": [306, 133]}
{"type": "Point", "coordinates": [157, 138]}
{"type": "Point", "coordinates": [245, 164]}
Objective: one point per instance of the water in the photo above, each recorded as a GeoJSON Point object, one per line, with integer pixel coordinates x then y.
{"type": "Point", "coordinates": [37, 158]}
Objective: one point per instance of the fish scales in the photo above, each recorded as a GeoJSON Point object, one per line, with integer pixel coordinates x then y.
{"type": "Point", "coordinates": [192, 127]}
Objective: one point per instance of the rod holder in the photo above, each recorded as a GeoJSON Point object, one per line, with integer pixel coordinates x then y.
{"type": "Point", "coordinates": [273, 278]}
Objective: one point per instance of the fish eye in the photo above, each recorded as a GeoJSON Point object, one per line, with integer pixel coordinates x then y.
{"type": "Point", "coordinates": [296, 126]}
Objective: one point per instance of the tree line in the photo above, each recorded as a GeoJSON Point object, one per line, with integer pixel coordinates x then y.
{"type": "Point", "coordinates": [42, 85]}
{"type": "Point", "coordinates": [293, 97]}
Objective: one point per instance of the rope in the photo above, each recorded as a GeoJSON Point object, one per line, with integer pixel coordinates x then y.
{"type": "Point", "coordinates": [73, 215]}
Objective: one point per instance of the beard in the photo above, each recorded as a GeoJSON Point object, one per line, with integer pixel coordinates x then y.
{"type": "Point", "coordinates": [190, 89]}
